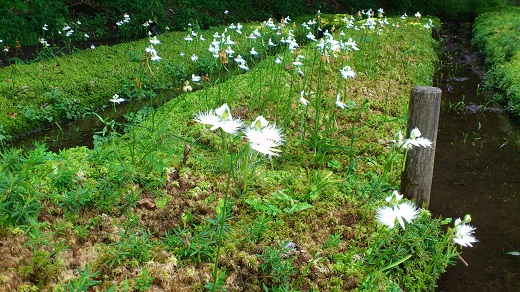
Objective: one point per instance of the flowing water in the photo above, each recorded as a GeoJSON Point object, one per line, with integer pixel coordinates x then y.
{"type": "Point", "coordinates": [477, 172]}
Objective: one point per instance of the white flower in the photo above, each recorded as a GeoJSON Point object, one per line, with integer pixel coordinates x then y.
{"type": "Point", "coordinates": [117, 99]}
{"type": "Point", "coordinates": [188, 38]}
{"type": "Point", "coordinates": [415, 140]}
{"type": "Point", "coordinates": [86, 36]}
{"type": "Point", "coordinates": [226, 12]}
{"type": "Point", "coordinates": [220, 118]}
{"type": "Point", "coordinates": [464, 232]}
{"type": "Point", "coordinates": [394, 198]}
{"type": "Point", "coordinates": [311, 36]}
{"type": "Point", "coordinates": [418, 15]}
{"type": "Point", "coordinates": [387, 215]}
{"type": "Point", "coordinates": [194, 58]}
{"type": "Point", "coordinates": [45, 27]}
{"type": "Point", "coordinates": [347, 72]}
{"type": "Point", "coordinates": [239, 59]}
{"type": "Point", "coordinates": [278, 60]}
{"type": "Point", "coordinates": [154, 41]}
{"type": "Point", "coordinates": [253, 51]}
{"type": "Point", "coordinates": [195, 78]}
{"type": "Point", "coordinates": [297, 61]}
{"type": "Point", "coordinates": [340, 104]}
{"type": "Point", "coordinates": [92, 46]}
{"type": "Point", "coordinates": [66, 27]}
{"type": "Point", "coordinates": [263, 137]}
{"type": "Point", "coordinates": [404, 16]}
{"type": "Point", "coordinates": [396, 211]}
{"type": "Point", "coordinates": [229, 41]}
{"type": "Point", "coordinates": [271, 44]}
{"type": "Point", "coordinates": [44, 42]}
{"type": "Point", "coordinates": [150, 49]}
{"type": "Point", "coordinates": [153, 53]}
{"type": "Point", "coordinates": [351, 44]}
{"type": "Point", "coordinates": [302, 99]}
{"type": "Point", "coordinates": [243, 66]}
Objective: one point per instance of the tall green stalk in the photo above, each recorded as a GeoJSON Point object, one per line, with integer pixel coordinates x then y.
{"type": "Point", "coordinates": [221, 221]}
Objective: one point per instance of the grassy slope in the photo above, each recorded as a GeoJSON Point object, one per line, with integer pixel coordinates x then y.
{"type": "Point", "coordinates": [497, 35]}
{"type": "Point", "coordinates": [91, 204]}
{"type": "Point", "coordinates": [69, 86]}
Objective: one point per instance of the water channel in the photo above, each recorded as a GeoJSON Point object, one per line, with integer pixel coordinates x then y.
{"type": "Point", "coordinates": [477, 171]}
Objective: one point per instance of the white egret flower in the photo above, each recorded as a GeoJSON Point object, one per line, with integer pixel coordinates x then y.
{"type": "Point", "coordinates": [405, 211]}
{"type": "Point", "coordinates": [117, 99]}
{"type": "Point", "coordinates": [302, 99]}
{"type": "Point", "coordinates": [154, 41]}
{"type": "Point", "coordinates": [347, 72]}
{"type": "Point", "coordinates": [220, 118]}
{"type": "Point", "coordinates": [464, 232]}
{"type": "Point", "coordinates": [340, 104]}
{"type": "Point", "coordinates": [415, 140]}
{"type": "Point", "coordinates": [263, 137]}
{"type": "Point", "coordinates": [196, 78]}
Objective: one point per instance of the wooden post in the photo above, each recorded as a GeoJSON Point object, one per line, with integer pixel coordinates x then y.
{"type": "Point", "coordinates": [423, 113]}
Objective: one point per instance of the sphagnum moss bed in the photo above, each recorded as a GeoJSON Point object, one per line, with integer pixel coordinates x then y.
{"type": "Point", "coordinates": [184, 202]}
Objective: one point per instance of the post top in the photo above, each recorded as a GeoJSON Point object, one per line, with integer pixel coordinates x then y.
{"type": "Point", "coordinates": [426, 89]}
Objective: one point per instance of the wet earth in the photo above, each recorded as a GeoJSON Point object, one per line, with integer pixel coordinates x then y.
{"type": "Point", "coordinates": [477, 171]}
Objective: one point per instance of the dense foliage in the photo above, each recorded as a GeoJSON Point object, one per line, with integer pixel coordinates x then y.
{"type": "Point", "coordinates": [497, 35]}
{"type": "Point", "coordinates": [21, 21]}
{"type": "Point", "coordinates": [55, 89]}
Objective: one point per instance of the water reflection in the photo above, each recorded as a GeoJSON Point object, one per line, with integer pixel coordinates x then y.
{"type": "Point", "coordinates": [477, 171]}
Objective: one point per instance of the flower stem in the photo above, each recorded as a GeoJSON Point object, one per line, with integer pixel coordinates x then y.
{"type": "Point", "coordinates": [221, 220]}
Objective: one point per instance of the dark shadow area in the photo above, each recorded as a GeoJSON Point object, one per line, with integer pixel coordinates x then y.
{"type": "Point", "coordinates": [477, 171]}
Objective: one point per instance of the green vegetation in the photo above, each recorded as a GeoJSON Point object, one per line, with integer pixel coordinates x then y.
{"type": "Point", "coordinates": [22, 21]}
{"type": "Point", "coordinates": [183, 199]}
{"type": "Point", "coordinates": [497, 35]}
{"type": "Point", "coordinates": [71, 86]}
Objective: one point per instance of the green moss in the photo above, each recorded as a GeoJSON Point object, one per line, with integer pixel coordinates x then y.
{"type": "Point", "coordinates": [67, 87]}
{"type": "Point", "coordinates": [320, 194]}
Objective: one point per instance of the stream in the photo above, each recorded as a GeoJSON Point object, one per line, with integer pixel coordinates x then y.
{"type": "Point", "coordinates": [477, 171]}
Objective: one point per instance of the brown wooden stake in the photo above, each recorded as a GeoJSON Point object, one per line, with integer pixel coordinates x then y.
{"type": "Point", "coordinates": [423, 113]}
